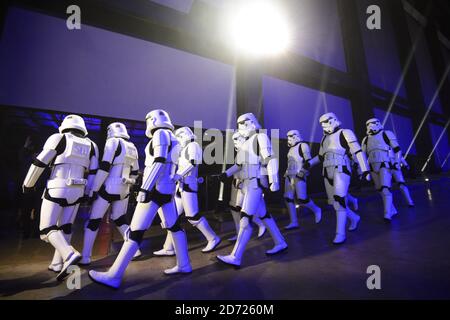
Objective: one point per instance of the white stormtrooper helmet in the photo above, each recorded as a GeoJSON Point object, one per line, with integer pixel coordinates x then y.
{"type": "Point", "coordinates": [157, 119]}
{"type": "Point", "coordinates": [74, 122]}
{"type": "Point", "coordinates": [238, 140]}
{"type": "Point", "coordinates": [373, 126]}
{"type": "Point", "coordinates": [247, 123]}
{"type": "Point", "coordinates": [293, 137]}
{"type": "Point", "coordinates": [329, 122]}
{"type": "Point", "coordinates": [184, 135]}
{"type": "Point", "coordinates": [117, 130]}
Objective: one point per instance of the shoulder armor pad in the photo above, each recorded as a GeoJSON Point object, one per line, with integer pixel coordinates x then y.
{"type": "Point", "coordinates": [53, 141]}
{"type": "Point", "coordinates": [349, 135]}
{"type": "Point", "coordinates": [161, 137]}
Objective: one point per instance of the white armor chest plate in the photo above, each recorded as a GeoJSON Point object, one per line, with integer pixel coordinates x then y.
{"type": "Point", "coordinates": [249, 160]}
{"type": "Point", "coordinates": [184, 160]}
{"type": "Point", "coordinates": [295, 161]}
{"type": "Point", "coordinates": [333, 152]}
{"type": "Point", "coordinates": [77, 151]}
{"type": "Point", "coordinates": [377, 149]}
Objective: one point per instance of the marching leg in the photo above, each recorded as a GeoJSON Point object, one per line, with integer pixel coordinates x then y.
{"type": "Point", "coordinates": [98, 210]}
{"type": "Point", "coordinates": [353, 202]}
{"type": "Point", "coordinates": [405, 191]}
{"type": "Point", "coordinates": [290, 205]}
{"type": "Point", "coordinates": [278, 239]}
{"type": "Point", "coordinates": [169, 218]}
{"type": "Point", "coordinates": [142, 219]}
{"type": "Point", "coordinates": [305, 201]}
{"type": "Point", "coordinates": [119, 216]}
{"type": "Point", "coordinates": [261, 226]}
{"type": "Point", "coordinates": [245, 233]}
{"type": "Point", "coordinates": [236, 218]}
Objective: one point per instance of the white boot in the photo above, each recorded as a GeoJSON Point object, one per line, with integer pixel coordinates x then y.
{"type": "Point", "coordinates": [181, 253]}
{"type": "Point", "coordinates": [405, 191]}
{"type": "Point", "coordinates": [57, 261]}
{"type": "Point", "coordinates": [88, 244]}
{"type": "Point", "coordinates": [341, 220]}
{"type": "Point", "coordinates": [261, 226]}
{"type": "Point", "coordinates": [69, 255]}
{"type": "Point", "coordinates": [314, 208]}
{"type": "Point", "coordinates": [354, 220]}
{"type": "Point", "coordinates": [122, 229]}
{"type": "Point", "coordinates": [394, 210]}
{"type": "Point", "coordinates": [386, 195]}
{"type": "Point", "coordinates": [280, 243]}
{"type": "Point", "coordinates": [236, 218]}
{"type": "Point", "coordinates": [292, 215]}
{"type": "Point", "coordinates": [210, 235]}
{"type": "Point", "coordinates": [353, 201]}
{"type": "Point", "coordinates": [72, 259]}
{"type": "Point", "coordinates": [245, 233]}
{"type": "Point", "coordinates": [167, 249]}
{"type": "Point", "coordinates": [113, 277]}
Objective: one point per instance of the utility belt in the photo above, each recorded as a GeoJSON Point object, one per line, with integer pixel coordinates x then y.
{"type": "Point", "coordinates": [121, 181]}
{"type": "Point", "coordinates": [379, 156]}
{"type": "Point", "coordinates": [63, 183]}
{"type": "Point", "coordinates": [250, 171]}
{"type": "Point", "coordinates": [334, 159]}
{"type": "Point", "coordinates": [190, 179]}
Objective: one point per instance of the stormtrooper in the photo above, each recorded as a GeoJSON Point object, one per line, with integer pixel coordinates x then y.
{"type": "Point", "coordinates": [187, 187]}
{"type": "Point", "coordinates": [336, 148]}
{"type": "Point", "coordinates": [117, 172]}
{"type": "Point", "coordinates": [397, 162]}
{"type": "Point", "coordinates": [236, 197]}
{"type": "Point", "coordinates": [377, 145]}
{"type": "Point", "coordinates": [156, 196]}
{"type": "Point", "coordinates": [254, 160]}
{"type": "Point", "coordinates": [295, 179]}
{"type": "Point", "coordinates": [71, 156]}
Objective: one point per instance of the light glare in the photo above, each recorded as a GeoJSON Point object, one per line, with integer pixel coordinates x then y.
{"type": "Point", "coordinates": [259, 28]}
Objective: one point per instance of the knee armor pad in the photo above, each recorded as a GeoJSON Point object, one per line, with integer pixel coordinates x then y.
{"type": "Point", "coordinates": [339, 201]}
{"type": "Point", "coordinates": [303, 201]}
{"type": "Point", "coordinates": [288, 200]}
{"type": "Point", "coordinates": [94, 224]}
{"type": "Point", "coordinates": [45, 232]}
{"type": "Point", "coordinates": [246, 220]}
{"type": "Point", "coordinates": [137, 235]}
{"type": "Point", "coordinates": [66, 228]}
{"type": "Point", "coordinates": [385, 190]}
{"type": "Point", "coordinates": [266, 216]}
{"type": "Point", "coordinates": [175, 227]}
{"type": "Point", "coordinates": [195, 219]}
{"type": "Point", "coordinates": [121, 220]}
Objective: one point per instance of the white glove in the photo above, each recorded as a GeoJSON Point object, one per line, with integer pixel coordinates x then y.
{"type": "Point", "coordinates": [275, 186]}
{"type": "Point", "coordinates": [140, 197]}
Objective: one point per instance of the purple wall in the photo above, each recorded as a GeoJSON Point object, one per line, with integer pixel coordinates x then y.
{"type": "Point", "coordinates": [428, 78]}
{"type": "Point", "coordinates": [442, 148]}
{"type": "Point", "coordinates": [93, 71]}
{"type": "Point", "coordinates": [316, 31]}
{"type": "Point", "coordinates": [289, 106]}
{"type": "Point", "coordinates": [380, 49]}
{"type": "Point", "coordinates": [401, 126]}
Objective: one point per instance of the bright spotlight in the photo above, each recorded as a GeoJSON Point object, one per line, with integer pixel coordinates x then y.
{"type": "Point", "coordinates": [259, 28]}
{"type": "Point", "coordinates": [426, 179]}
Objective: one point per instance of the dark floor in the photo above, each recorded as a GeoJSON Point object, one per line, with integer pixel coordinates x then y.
{"type": "Point", "coordinates": [412, 252]}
